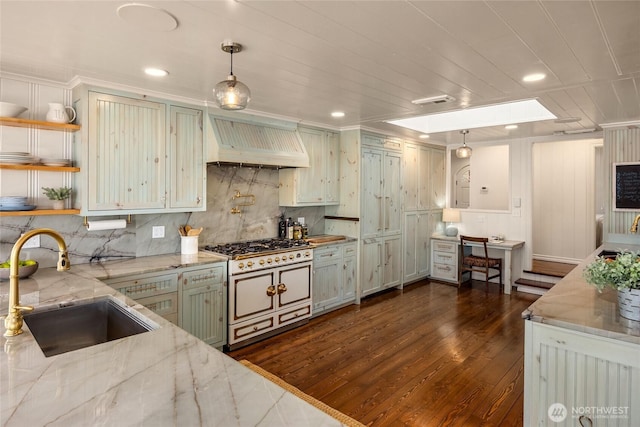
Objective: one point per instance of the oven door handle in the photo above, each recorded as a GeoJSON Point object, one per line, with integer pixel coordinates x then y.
{"type": "Point", "coordinates": [271, 291]}
{"type": "Point", "coordinates": [282, 288]}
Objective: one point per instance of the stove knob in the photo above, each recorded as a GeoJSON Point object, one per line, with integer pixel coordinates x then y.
{"type": "Point", "coordinates": [307, 254]}
{"type": "Point", "coordinates": [250, 264]}
{"type": "Point", "coordinates": [298, 255]}
{"type": "Point", "coordinates": [269, 261]}
{"type": "Point", "coordinates": [241, 265]}
{"type": "Point", "coordinates": [261, 262]}
{"type": "Point", "coordinates": [290, 256]}
{"type": "Point", "coordinates": [277, 259]}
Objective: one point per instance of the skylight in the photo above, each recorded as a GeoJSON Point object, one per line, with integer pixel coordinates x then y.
{"type": "Point", "coordinates": [528, 110]}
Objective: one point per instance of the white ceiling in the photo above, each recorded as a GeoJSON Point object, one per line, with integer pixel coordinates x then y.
{"type": "Point", "coordinates": [305, 59]}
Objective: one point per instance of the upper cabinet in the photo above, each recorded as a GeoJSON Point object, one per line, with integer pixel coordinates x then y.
{"type": "Point", "coordinates": [424, 177]}
{"type": "Point", "coordinates": [138, 155]}
{"type": "Point", "coordinates": [317, 185]}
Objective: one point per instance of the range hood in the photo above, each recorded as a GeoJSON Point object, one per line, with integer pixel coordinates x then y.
{"type": "Point", "coordinates": [254, 144]}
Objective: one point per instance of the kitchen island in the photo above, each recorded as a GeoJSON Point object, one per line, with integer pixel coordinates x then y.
{"type": "Point", "coordinates": [581, 358]}
{"type": "Point", "coordinates": [163, 377]}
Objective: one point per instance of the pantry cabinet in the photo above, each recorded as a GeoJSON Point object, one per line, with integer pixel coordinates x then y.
{"type": "Point", "coordinates": [204, 304]}
{"type": "Point", "coordinates": [381, 264]}
{"type": "Point", "coordinates": [317, 185]}
{"type": "Point", "coordinates": [138, 155]}
{"type": "Point", "coordinates": [334, 276]}
{"type": "Point", "coordinates": [417, 233]}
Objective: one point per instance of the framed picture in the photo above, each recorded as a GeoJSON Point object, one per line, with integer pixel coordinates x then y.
{"type": "Point", "coordinates": [626, 186]}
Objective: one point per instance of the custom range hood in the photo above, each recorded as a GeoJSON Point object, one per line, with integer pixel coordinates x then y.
{"type": "Point", "coordinates": [270, 144]}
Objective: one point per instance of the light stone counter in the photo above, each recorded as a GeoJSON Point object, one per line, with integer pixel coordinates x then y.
{"type": "Point", "coordinates": [164, 377]}
{"type": "Point", "coordinates": [574, 304]}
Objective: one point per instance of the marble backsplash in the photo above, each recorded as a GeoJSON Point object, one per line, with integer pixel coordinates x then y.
{"type": "Point", "coordinates": [220, 225]}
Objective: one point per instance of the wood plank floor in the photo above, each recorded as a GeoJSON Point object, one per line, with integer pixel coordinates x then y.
{"type": "Point", "coordinates": [424, 356]}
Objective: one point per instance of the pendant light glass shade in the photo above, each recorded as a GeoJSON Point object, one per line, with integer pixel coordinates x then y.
{"type": "Point", "coordinates": [231, 94]}
{"type": "Point", "coordinates": [463, 152]}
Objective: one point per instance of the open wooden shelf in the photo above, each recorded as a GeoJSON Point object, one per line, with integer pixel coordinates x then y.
{"type": "Point", "coordinates": [40, 168]}
{"type": "Point", "coordinates": [37, 212]}
{"type": "Point", "coordinates": [37, 124]}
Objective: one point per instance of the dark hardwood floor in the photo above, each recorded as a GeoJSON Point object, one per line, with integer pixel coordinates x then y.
{"type": "Point", "coordinates": [428, 355]}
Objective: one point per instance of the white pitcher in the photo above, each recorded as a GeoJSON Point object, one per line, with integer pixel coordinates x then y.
{"type": "Point", "coordinates": [58, 113]}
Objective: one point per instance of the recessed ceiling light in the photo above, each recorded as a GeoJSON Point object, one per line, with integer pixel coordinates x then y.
{"type": "Point", "coordinates": [509, 127]}
{"type": "Point", "coordinates": [524, 111]}
{"type": "Point", "coordinates": [337, 114]}
{"type": "Point", "coordinates": [424, 136]}
{"type": "Point", "coordinates": [535, 77]}
{"type": "Point", "coordinates": [156, 72]}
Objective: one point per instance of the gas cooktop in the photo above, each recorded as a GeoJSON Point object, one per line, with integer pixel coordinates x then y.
{"type": "Point", "coordinates": [257, 247]}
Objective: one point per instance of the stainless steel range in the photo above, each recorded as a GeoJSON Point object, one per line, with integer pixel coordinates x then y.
{"type": "Point", "coordinates": [269, 287]}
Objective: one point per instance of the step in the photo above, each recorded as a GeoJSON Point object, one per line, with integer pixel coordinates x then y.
{"type": "Point", "coordinates": [537, 287]}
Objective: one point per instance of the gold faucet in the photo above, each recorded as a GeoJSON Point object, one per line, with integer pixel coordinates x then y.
{"type": "Point", "coordinates": [634, 226]}
{"type": "Point", "coordinates": [13, 321]}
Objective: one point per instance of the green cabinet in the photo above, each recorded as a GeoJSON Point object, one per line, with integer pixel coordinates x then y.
{"type": "Point", "coordinates": [204, 304]}
{"type": "Point", "coordinates": [334, 276]}
{"type": "Point", "coordinates": [156, 291]}
{"type": "Point", "coordinates": [137, 155]}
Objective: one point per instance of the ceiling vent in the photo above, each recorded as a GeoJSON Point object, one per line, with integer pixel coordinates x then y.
{"type": "Point", "coordinates": [439, 99]}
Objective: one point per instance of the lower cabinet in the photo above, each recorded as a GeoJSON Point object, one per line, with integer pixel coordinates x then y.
{"type": "Point", "coordinates": [204, 304]}
{"type": "Point", "coordinates": [444, 260]}
{"type": "Point", "coordinates": [574, 378]}
{"type": "Point", "coordinates": [334, 276]}
{"type": "Point", "coordinates": [193, 298]}
{"type": "Point", "coordinates": [381, 263]}
{"type": "Point", "coordinates": [158, 292]}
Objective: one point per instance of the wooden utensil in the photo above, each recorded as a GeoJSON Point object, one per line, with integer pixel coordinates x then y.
{"type": "Point", "coordinates": [194, 232]}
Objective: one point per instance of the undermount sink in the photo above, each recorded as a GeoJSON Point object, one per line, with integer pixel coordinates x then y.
{"type": "Point", "coordinates": [71, 326]}
{"type": "Point", "coordinates": [608, 254]}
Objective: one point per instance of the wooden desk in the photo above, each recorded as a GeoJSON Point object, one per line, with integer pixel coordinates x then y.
{"type": "Point", "coordinates": [446, 250]}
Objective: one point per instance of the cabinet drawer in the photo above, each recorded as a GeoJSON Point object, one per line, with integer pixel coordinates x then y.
{"type": "Point", "coordinates": [328, 254]}
{"type": "Point", "coordinates": [164, 304]}
{"type": "Point", "coordinates": [349, 250]}
{"type": "Point", "coordinates": [441, 246]}
{"type": "Point", "coordinates": [444, 271]}
{"type": "Point", "coordinates": [249, 329]}
{"type": "Point", "coordinates": [205, 276]}
{"type": "Point", "coordinates": [294, 315]}
{"type": "Point", "coordinates": [145, 286]}
{"type": "Point", "coordinates": [444, 258]}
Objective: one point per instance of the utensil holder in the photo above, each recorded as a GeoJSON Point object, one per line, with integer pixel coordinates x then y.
{"type": "Point", "coordinates": [188, 245]}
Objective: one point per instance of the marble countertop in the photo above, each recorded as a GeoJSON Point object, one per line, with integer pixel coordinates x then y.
{"type": "Point", "coordinates": [574, 304]}
{"type": "Point", "coordinates": [157, 378]}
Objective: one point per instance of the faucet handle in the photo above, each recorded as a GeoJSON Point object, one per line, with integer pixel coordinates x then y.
{"type": "Point", "coordinates": [24, 307]}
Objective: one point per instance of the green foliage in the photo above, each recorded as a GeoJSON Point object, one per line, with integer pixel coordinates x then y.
{"type": "Point", "coordinates": [61, 193]}
{"type": "Point", "coordinates": [623, 272]}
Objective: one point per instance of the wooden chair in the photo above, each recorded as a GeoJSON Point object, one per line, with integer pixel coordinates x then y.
{"type": "Point", "coordinates": [478, 263]}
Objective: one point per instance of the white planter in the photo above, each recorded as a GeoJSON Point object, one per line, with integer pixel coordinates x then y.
{"type": "Point", "coordinates": [58, 204]}
{"type": "Point", "coordinates": [629, 303]}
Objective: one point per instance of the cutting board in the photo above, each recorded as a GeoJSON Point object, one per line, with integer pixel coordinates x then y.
{"type": "Point", "coordinates": [324, 238]}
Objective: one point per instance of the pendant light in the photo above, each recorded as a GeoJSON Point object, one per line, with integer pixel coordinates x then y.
{"type": "Point", "coordinates": [463, 152]}
{"type": "Point", "coordinates": [231, 94]}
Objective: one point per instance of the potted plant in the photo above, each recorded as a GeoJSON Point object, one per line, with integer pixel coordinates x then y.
{"type": "Point", "coordinates": [621, 273]}
{"type": "Point", "coordinates": [58, 195]}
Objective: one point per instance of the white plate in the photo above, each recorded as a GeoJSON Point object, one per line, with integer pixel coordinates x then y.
{"type": "Point", "coordinates": [54, 164]}
{"type": "Point", "coordinates": [14, 153]}
{"type": "Point", "coordinates": [17, 161]}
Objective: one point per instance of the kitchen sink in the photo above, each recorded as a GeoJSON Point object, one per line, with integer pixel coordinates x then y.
{"type": "Point", "coordinates": [71, 326]}
{"type": "Point", "coordinates": [608, 254]}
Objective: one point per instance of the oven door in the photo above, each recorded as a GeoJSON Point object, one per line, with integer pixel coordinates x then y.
{"type": "Point", "coordinates": [251, 294]}
{"type": "Point", "coordinates": [294, 284]}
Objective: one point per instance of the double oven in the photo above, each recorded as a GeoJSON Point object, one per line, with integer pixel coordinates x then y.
{"type": "Point", "coordinates": [270, 286]}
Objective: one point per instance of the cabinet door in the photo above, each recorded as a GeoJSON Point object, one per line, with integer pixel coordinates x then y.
{"type": "Point", "coordinates": [392, 193]}
{"type": "Point", "coordinates": [126, 153]}
{"type": "Point", "coordinates": [326, 278]}
{"type": "Point", "coordinates": [410, 172]}
{"type": "Point", "coordinates": [438, 185]}
{"type": "Point", "coordinates": [371, 260]}
{"type": "Point", "coordinates": [310, 188]}
{"type": "Point", "coordinates": [424, 178]}
{"type": "Point", "coordinates": [186, 159]}
{"type": "Point", "coordinates": [332, 158]}
{"type": "Point", "coordinates": [411, 239]}
{"type": "Point", "coordinates": [392, 264]}
{"type": "Point", "coordinates": [349, 277]}
{"type": "Point", "coordinates": [422, 244]}
{"type": "Point", "coordinates": [204, 305]}
{"type": "Point", "coordinates": [372, 193]}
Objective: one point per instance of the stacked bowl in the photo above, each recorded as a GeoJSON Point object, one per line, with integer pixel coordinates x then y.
{"type": "Point", "coordinates": [15, 203]}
